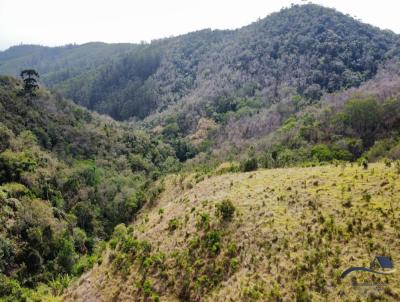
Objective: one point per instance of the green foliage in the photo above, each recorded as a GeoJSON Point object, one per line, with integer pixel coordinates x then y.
{"type": "Point", "coordinates": [64, 186]}
{"type": "Point", "coordinates": [14, 164]}
{"type": "Point", "coordinates": [59, 284]}
{"type": "Point", "coordinates": [302, 294]}
{"type": "Point", "coordinates": [380, 149]}
{"type": "Point", "coordinates": [248, 165]}
{"type": "Point", "coordinates": [225, 210]}
{"type": "Point", "coordinates": [322, 153]}
{"type": "Point", "coordinates": [173, 224]}
{"type": "Point", "coordinates": [7, 254]}
{"type": "Point", "coordinates": [329, 50]}
{"type": "Point", "coordinates": [30, 79]}
{"type": "Point", "coordinates": [212, 241]}
{"type": "Point", "coordinates": [366, 196]}
{"type": "Point", "coordinates": [10, 290]}
{"type": "Point", "coordinates": [66, 257]}
{"type": "Point", "coordinates": [203, 221]}
{"type": "Point", "coordinates": [5, 137]}
{"type": "Point", "coordinates": [363, 115]}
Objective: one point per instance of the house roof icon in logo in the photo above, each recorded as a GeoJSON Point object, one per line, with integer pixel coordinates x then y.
{"type": "Point", "coordinates": [382, 262]}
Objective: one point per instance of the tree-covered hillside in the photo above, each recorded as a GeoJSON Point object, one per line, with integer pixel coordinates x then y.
{"type": "Point", "coordinates": [357, 124]}
{"type": "Point", "coordinates": [302, 50]}
{"type": "Point", "coordinates": [67, 178]}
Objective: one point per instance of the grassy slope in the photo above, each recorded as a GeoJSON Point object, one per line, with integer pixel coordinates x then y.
{"type": "Point", "coordinates": [282, 230]}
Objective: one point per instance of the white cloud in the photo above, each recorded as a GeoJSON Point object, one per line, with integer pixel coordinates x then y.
{"type": "Point", "coordinates": [58, 22]}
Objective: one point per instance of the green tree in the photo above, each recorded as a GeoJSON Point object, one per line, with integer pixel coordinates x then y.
{"type": "Point", "coordinates": [364, 117]}
{"type": "Point", "coordinates": [30, 78]}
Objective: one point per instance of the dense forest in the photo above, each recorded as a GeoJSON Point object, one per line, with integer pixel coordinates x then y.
{"type": "Point", "coordinates": [67, 177]}
{"type": "Point", "coordinates": [303, 50]}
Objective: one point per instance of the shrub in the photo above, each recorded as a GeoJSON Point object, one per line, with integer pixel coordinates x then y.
{"type": "Point", "coordinates": [363, 116]}
{"type": "Point", "coordinates": [364, 163]}
{"type": "Point", "coordinates": [366, 196]}
{"type": "Point", "coordinates": [232, 249]}
{"type": "Point", "coordinates": [227, 167]}
{"type": "Point", "coordinates": [14, 189]}
{"type": "Point", "coordinates": [388, 162]}
{"type": "Point", "coordinates": [138, 163]}
{"type": "Point", "coordinates": [203, 221]}
{"type": "Point", "coordinates": [379, 149]}
{"type": "Point", "coordinates": [233, 264]}
{"type": "Point", "coordinates": [302, 294]}
{"type": "Point", "coordinates": [397, 166]}
{"type": "Point", "coordinates": [66, 256]}
{"type": "Point", "coordinates": [322, 153]}
{"type": "Point", "coordinates": [5, 137]}
{"type": "Point", "coordinates": [173, 224]}
{"type": "Point", "coordinates": [7, 252]}
{"type": "Point", "coordinates": [212, 241]}
{"type": "Point", "coordinates": [13, 164]}
{"type": "Point", "coordinates": [249, 165]}
{"type": "Point", "coordinates": [79, 238]}
{"type": "Point", "coordinates": [10, 289]}
{"type": "Point", "coordinates": [379, 226]}
{"type": "Point", "coordinates": [225, 210]}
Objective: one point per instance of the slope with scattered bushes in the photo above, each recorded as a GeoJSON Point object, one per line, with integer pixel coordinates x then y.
{"type": "Point", "coordinates": [270, 235]}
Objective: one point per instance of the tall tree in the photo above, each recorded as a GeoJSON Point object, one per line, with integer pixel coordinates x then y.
{"type": "Point", "coordinates": [30, 78]}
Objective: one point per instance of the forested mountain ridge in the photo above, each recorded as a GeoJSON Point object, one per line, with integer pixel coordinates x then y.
{"type": "Point", "coordinates": [302, 50]}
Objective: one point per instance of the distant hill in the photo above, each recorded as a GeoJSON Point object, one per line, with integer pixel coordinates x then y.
{"type": "Point", "coordinates": [302, 50]}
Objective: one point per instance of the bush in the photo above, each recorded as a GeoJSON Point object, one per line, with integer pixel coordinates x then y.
{"type": "Point", "coordinates": [366, 196]}
{"type": "Point", "coordinates": [7, 252]}
{"type": "Point", "coordinates": [66, 256]}
{"type": "Point", "coordinates": [364, 163]}
{"type": "Point", "coordinates": [302, 294]}
{"type": "Point", "coordinates": [363, 116]}
{"type": "Point", "coordinates": [225, 210]}
{"type": "Point", "coordinates": [234, 263]}
{"type": "Point", "coordinates": [5, 137]}
{"type": "Point", "coordinates": [212, 241]}
{"type": "Point", "coordinates": [13, 164]}
{"type": "Point", "coordinates": [138, 163]}
{"type": "Point", "coordinates": [227, 167]}
{"type": "Point", "coordinates": [173, 224]}
{"type": "Point", "coordinates": [249, 165]}
{"type": "Point", "coordinates": [379, 149]}
{"type": "Point", "coordinates": [322, 153]}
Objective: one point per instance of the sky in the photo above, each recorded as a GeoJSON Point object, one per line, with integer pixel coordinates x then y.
{"type": "Point", "coordinates": [60, 22]}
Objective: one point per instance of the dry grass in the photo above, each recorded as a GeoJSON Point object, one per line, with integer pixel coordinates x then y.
{"type": "Point", "coordinates": [291, 226]}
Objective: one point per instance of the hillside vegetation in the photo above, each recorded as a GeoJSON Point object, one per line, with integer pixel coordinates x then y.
{"type": "Point", "coordinates": [270, 235]}
{"type": "Point", "coordinates": [350, 125]}
{"type": "Point", "coordinates": [67, 178]}
{"type": "Point", "coordinates": [302, 50]}
{"type": "Point", "coordinates": [243, 165]}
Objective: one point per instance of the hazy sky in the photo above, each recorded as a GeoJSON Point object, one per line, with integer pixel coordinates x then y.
{"type": "Point", "coordinates": [59, 22]}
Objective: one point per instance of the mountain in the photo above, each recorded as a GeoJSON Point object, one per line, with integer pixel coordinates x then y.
{"type": "Point", "coordinates": [302, 50]}
{"type": "Point", "coordinates": [248, 165]}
